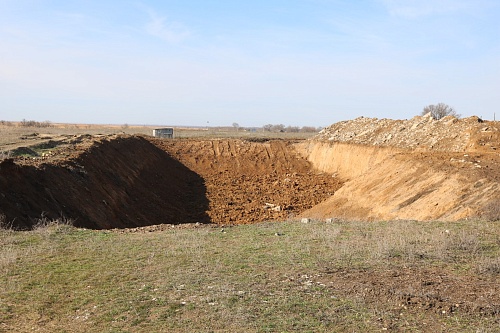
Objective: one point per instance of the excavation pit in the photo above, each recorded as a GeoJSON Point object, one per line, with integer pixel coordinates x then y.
{"type": "Point", "coordinates": [135, 181]}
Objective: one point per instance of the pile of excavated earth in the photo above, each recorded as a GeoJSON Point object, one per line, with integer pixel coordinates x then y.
{"type": "Point", "coordinates": [365, 168]}
{"type": "Point", "coordinates": [422, 168]}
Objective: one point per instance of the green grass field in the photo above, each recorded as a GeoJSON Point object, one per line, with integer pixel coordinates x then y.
{"type": "Point", "coordinates": [268, 277]}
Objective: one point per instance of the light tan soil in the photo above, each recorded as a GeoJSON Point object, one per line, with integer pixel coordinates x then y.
{"type": "Point", "coordinates": [421, 168]}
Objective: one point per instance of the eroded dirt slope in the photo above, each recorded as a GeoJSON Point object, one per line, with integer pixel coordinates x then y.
{"type": "Point", "coordinates": [421, 168]}
{"type": "Point", "coordinates": [107, 183]}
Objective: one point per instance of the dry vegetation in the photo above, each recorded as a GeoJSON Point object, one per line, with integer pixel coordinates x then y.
{"type": "Point", "coordinates": [269, 277]}
{"type": "Point", "coordinates": [491, 211]}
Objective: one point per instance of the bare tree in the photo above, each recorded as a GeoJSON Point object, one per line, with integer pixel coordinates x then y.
{"type": "Point", "coordinates": [267, 127]}
{"type": "Point", "coordinates": [236, 126]}
{"type": "Point", "coordinates": [439, 111]}
{"type": "Point", "coordinates": [292, 129]}
{"type": "Point", "coordinates": [278, 128]}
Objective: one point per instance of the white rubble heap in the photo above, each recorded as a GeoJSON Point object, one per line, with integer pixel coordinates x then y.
{"type": "Point", "coordinates": [446, 134]}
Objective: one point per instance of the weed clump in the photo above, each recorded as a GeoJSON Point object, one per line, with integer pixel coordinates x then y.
{"type": "Point", "coordinates": [4, 155]}
{"type": "Point", "coordinates": [44, 223]}
{"type": "Point", "coordinates": [489, 266]}
{"type": "Point", "coordinates": [491, 211]}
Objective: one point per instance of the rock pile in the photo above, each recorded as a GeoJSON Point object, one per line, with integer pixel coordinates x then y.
{"type": "Point", "coordinates": [447, 134]}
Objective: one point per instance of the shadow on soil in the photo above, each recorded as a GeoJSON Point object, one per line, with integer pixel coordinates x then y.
{"type": "Point", "coordinates": [122, 183]}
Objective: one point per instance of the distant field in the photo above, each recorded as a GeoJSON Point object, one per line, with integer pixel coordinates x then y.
{"type": "Point", "coordinates": [269, 277]}
{"type": "Point", "coordinates": [14, 134]}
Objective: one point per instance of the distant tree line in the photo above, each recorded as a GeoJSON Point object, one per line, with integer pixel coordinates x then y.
{"type": "Point", "coordinates": [290, 129]}
{"type": "Point", "coordinates": [5, 123]}
{"type": "Point", "coordinates": [33, 123]}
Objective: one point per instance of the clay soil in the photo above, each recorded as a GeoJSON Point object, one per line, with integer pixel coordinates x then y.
{"type": "Point", "coordinates": [249, 181]}
{"type": "Point", "coordinates": [416, 169]}
{"type": "Point", "coordinates": [123, 181]}
{"type": "Point", "coordinates": [364, 169]}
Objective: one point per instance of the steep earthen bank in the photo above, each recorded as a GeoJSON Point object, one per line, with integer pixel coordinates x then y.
{"type": "Point", "coordinates": [454, 175]}
{"type": "Point", "coordinates": [251, 181]}
{"type": "Point", "coordinates": [111, 183]}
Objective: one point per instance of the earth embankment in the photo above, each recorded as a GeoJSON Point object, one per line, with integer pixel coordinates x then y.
{"type": "Point", "coordinates": [250, 181]}
{"type": "Point", "coordinates": [116, 183]}
{"type": "Point", "coordinates": [368, 169]}
{"type": "Point", "coordinates": [421, 169]}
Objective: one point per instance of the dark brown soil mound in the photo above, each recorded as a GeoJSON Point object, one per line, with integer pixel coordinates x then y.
{"type": "Point", "coordinates": [124, 182]}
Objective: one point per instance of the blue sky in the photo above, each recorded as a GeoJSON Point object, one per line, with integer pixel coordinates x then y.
{"type": "Point", "coordinates": [295, 62]}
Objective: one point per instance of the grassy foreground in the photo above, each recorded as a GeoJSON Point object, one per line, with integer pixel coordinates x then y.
{"type": "Point", "coordinates": [269, 277]}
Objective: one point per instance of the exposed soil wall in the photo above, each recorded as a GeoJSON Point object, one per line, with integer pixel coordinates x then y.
{"type": "Point", "coordinates": [454, 175]}
{"type": "Point", "coordinates": [251, 181]}
{"type": "Point", "coordinates": [345, 160]}
{"type": "Point", "coordinates": [123, 182]}
{"type": "Point", "coordinates": [365, 169]}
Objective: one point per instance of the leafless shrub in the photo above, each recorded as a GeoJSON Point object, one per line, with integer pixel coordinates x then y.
{"type": "Point", "coordinates": [398, 243]}
{"type": "Point", "coordinates": [44, 223]}
{"type": "Point", "coordinates": [464, 242]}
{"type": "Point", "coordinates": [289, 129]}
{"type": "Point", "coordinates": [5, 123]}
{"type": "Point", "coordinates": [278, 128]}
{"type": "Point", "coordinates": [489, 266]}
{"type": "Point", "coordinates": [439, 111]}
{"type": "Point", "coordinates": [292, 129]}
{"type": "Point", "coordinates": [491, 211]}
{"type": "Point", "coordinates": [4, 155]}
{"type": "Point", "coordinates": [33, 123]}
{"type": "Point", "coordinates": [4, 224]}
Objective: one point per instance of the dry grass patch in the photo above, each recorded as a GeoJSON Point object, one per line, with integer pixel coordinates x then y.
{"type": "Point", "coordinates": [269, 277]}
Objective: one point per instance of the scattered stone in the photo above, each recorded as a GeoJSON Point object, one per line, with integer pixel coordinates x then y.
{"type": "Point", "coordinates": [446, 134]}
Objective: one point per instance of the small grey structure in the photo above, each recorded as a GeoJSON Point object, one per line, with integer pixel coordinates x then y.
{"type": "Point", "coordinates": [166, 132]}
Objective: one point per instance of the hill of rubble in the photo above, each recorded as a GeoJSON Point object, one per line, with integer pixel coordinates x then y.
{"type": "Point", "coordinates": [420, 168]}
{"type": "Point", "coordinates": [447, 134]}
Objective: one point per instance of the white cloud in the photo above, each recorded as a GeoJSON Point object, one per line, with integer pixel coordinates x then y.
{"type": "Point", "coordinates": [171, 32]}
